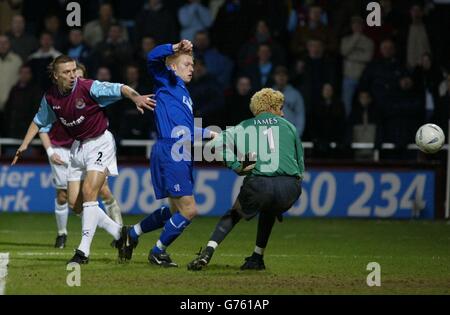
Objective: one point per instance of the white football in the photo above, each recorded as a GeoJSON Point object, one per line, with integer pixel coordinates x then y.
{"type": "Point", "coordinates": [430, 138]}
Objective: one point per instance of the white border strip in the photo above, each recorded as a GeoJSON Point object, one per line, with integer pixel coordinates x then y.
{"type": "Point", "coordinates": [4, 260]}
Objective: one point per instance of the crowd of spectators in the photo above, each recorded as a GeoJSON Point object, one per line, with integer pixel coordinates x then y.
{"type": "Point", "coordinates": [343, 81]}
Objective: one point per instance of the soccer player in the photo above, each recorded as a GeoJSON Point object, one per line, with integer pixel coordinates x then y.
{"type": "Point", "coordinates": [79, 105]}
{"type": "Point", "coordinates": [171, 66]}
{"type": "Point", "coordinates": [57, 142]}
{"type": "Point", "coordinates": [272, 184]}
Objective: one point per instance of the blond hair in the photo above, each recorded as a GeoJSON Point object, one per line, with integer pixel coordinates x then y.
{"type": "Point", "coordinates": [82, 67]}
{"type": "Point", "coordinates": [266, 100]}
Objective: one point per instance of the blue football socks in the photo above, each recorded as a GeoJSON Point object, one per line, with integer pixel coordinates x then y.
{"type": "Point", "coordinates": [152, 222]}
{"type": "Point", "coordinates": [172, 229]}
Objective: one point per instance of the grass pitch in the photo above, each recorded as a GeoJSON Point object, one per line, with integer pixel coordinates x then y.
{"type": "Point", "coordinates": [304, 256]}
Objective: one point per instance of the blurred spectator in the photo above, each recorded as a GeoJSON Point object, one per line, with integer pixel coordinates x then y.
{"type": "Point", "coordinates": [126, 121]}
{"type": "Point", "coordinates": [125, 12]}
{"type": "Point", "coordinates": [297, 14]}
{"type": "Point", "coordinates": [357, 50]}
{"type": "Point", "coordinates": [22, 105]}
{"type": "Point", "coordinates": [314, 29]}
{"type": "Point", "coordinates": [444, 108]}
{"type": "Point", "coordinates": [427, 77]}
{"type": "Point", "coordinates": [193, 17]}
{"type": "Point", "coordinates": [8, 9]}
{"type": "Point", "coordinates": [157, 21]}
{"type": "Point", "coordinates": [392, 14]}
{"type": "Point", "coordinates": [248, 53]}
{"type": "Point", "coordinates": [340, 12]}
{"type": "Point", "coordinates": [207, 95]}
{"type": "Point", "coordinates": [218, 65]}
{"type": "Point", "coordinates": [53, 26]}
{"type": "Point", "coordinates": [9, 70]}
{"type": "Point", "coordinates": [439, 18]}
{"type": "Point", "coordinates": [96, 31]}
{"type": "Point", "coordinates": [22, 43]}
{"type": "Point", "coordinates": [35, 12]}
{"type": "Point", "coordinates": [40, 60]}
{"type": "Point", "coordinates": [261, 73]}
{"type": "Point", "coordinates": [103, 74]}
{"type": "Point", "coordinates": [274, 13]}
{"type": "Point", "coordinates": [238, 103]}
{"type": "Point", "coordinates": [114, 52]}
{"type": "Point", "coordinates": [297, 73]}
{"type": "Point", "coordinates": [77, 48]}
{"type": "Point", "coordinates": [294, 106]}
{"type": "Point", "coordinates": [318, 69]}
{"type": "Point", "coordinates": [391, 20]}
{"type": "Point", "coordinates": [140, 58]}
{"type": "Point", "coordinates": [414, 38]}
{"type": "Point", "coordinates": [363, 123]}
{"type": "Point", "coordinates": [382, 75]}
{"type": "Point", "coordinates": [328, 122]}
{"type": "Point", "coordinates": [214, 7]}
{"type": "Point", "coordinates": [401, 115]}
{"type": "Point", "coordinates": [231, 27]}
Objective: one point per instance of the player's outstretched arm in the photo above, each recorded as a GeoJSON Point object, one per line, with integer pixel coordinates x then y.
{"type": "Point", "coordinates": [33, 129]}
{"type": "Point", "coordinates": [142, 101]}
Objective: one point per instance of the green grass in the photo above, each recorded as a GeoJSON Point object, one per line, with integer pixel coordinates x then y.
{"type": "Point", "coordinates": [304, 256]}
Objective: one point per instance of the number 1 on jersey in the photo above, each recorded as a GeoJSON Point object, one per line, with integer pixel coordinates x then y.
{"type": "Point", "coordinates": [269, 134]}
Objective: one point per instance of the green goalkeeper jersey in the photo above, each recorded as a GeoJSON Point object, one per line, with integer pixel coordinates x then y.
{"type": "Point", "coordinates": [279, 151]}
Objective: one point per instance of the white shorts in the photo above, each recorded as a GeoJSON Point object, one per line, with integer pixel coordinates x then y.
{"type": "Point", "coordinates": [96, 154]}
{"type": "Point", "coordinates": [60, 172]}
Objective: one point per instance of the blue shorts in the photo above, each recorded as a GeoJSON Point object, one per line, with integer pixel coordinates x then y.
{"type": "Point", "coordinates": [170, 178]}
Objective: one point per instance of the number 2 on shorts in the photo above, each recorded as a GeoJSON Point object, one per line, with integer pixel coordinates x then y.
{"type": "Point", "coordinates": [100, 154]}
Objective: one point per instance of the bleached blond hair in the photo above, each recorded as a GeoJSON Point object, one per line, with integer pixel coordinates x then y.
{"type": "Point", "coordinates": [266, 100]}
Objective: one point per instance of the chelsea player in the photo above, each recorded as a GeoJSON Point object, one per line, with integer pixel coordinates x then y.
{"type": "Point", "coordinates": [171, 67]}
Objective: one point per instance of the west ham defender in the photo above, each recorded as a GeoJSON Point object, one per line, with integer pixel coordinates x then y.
{"type": "Point", "coordinates": [57, 142]}
{"type": "Point", "coordinates": [79, 105]}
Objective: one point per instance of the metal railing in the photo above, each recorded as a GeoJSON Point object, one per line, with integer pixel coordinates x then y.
{"type": "Point", "coordinates": [307, 145]}
{"type": "Point", "coordinates": [149, 143]}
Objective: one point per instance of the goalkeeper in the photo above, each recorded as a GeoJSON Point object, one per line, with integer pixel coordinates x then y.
{"type": "Point", "coordinates": [273, 180]}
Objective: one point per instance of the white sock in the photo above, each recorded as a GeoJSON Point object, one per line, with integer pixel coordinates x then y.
{"type": "Point", "coordinates": [137, 228]}
{"type": "Point", "coordinates": [212, 244]}
{"type": "Point", "coordinates": [114, 211]}
{"type": "Point", "coordinates": [61, 214]}
{"type": "Point", "coordinates": [108, 224]}
{"type": "Point", "coordinates": [259, 250]}
{"type": "Point", "coordinates": [89, 219]}
{"type": "Point", "coordinates": [160, 245]}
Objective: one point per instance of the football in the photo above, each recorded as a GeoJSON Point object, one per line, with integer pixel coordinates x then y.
{"type": "Point", "coordinates": [430, 138]}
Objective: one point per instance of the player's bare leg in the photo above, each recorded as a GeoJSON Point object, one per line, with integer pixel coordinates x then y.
{"type": "Point", "coordinates": [75, 196]}
{"type": "Point", "coordinates": [111, 206]}
{"type": "Point", "coordinates": [61, 215]}
{"type": "Point", "coordinates": [184, 209]}
{"type": "Point", "coordinates": [93, 216]}
{"type": "Point", "coordinates": [225, 225]}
